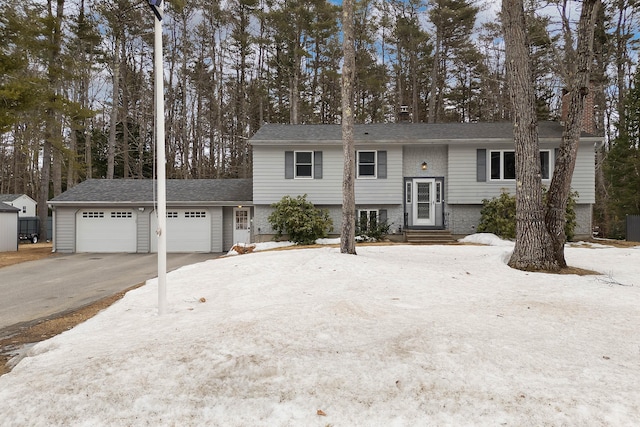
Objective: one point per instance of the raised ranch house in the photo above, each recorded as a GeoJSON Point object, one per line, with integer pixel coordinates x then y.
{"type": "Point", "coordinates": [414, 176]}
{"type": "Point", "coordinates": [420, 178]}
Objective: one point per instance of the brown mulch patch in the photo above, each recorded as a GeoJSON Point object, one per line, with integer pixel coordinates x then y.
{"type": "Point", "coordinates": [25, 252]}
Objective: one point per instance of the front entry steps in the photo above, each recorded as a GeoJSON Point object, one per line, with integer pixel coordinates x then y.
{"type": "Point", "coordinates": [429, 237]}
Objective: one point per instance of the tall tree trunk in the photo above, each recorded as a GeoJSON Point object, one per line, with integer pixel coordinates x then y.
{"type": "Point", "coordinates": [532, 249]}
{"type": "Point", "coordinates": [88, 158]}
{"type": "Point", "coordinates": [347, 237]}
{"type": "Point", "coordinates": [126, 95]}
{"type": "Point", "coordinates": [115, 104]}
{"type": "Point", "coordinates": [56, 166]}
{"type": "Point", "coordinates": [578, 81]}
{"type": "Point", "coordinates": [72, 156]}
{"type": "Point", "coordinates": [435, 77]}
{"type": "Point", "coordinates": [51, 127]}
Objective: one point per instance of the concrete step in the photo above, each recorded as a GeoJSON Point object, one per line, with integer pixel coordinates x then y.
{"type": "Point", "coordinates": [429, 237]}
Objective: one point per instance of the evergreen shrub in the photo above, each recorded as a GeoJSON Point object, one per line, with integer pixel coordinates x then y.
{"type": "Point", "coordinates": [300, 220]}
{"type": "Point", "coordinates": [498, 215]}
{"type": "Point", "coordinates": [371, 230]}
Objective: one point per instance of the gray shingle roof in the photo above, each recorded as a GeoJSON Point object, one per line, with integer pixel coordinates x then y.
{"type": "Point", "coordinates": [142, 191]}
{"type": "Point", "coordinates": [401, 133]}
{"type": "Point", "coordinates": [8, 208]}
{"type": "Point", "coordinates": [9, 197]}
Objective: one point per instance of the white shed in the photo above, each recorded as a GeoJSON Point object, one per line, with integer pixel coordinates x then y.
{"type": "Point", "coordinates": [8, 228]}
{"type": "Point", "coordinates": [25, 204]}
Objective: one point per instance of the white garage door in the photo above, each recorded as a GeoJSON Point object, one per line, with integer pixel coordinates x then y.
{"type": "Point", "coordinates": [106, 230]}
{"type": "Point", "coordinates": [188, 230]}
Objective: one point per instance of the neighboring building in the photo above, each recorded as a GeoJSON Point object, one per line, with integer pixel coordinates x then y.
{"type": "Point", "coordinates": [24, 203]}
{"type": "Point", "coordinates": [118, 215]}
{"type": "Point", "coordinates": [8, 227]}
{"type": "Point", "coordinates": [415, 176]}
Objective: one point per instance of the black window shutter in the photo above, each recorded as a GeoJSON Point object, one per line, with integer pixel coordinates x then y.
{"type": "Point", "coordinates": [317, 164]}
{"type": "Point", "coordinates": [382, 165]}
{"type": "Point", "coordinates": [481, 165]}
{"type": "Point", "coordinates": [288, 164]}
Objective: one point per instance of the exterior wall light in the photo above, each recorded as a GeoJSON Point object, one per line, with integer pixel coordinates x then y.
{"type": "Point", "coordinates": [423, 166]}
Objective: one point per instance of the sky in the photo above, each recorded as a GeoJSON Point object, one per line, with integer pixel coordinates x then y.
{"type": "Point", "coordinates": [397, 335]}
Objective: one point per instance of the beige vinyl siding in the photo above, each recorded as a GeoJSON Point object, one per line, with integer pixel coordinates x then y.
{"type": "Point", "coordinates": [8, 231]}
{"type": "Point", "coordinates": [270, 185]}
{"type": "Point", "coordinates": [584, 176]}
{"type": "Point", "coordinates": [143, 232]}
{"type": "Point", "coordinates": [215, 215]}
{"type": "Point", "coordinates": [379, 191]}
{"type": "Point", "coordinates": [227, 228]}
{"type": "Point", "coordinates": [65, 230]}
{"type": "Point", "coordinates": [462, 187]}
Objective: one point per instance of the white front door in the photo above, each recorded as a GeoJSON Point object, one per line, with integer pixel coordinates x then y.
{"type": "Point", "coordinates": [241, 225]}
{"type": "Point", "coordinates": [424, 202]}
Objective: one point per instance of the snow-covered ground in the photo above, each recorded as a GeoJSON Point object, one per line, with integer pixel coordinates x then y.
{"type": "Point", "coordinates": [395, 336]}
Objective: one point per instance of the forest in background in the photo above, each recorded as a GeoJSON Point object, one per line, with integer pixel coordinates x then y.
{"type": "Point", "coordinates": [76, 88]}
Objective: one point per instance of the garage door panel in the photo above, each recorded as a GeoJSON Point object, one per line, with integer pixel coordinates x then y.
{"type": "Point", "coordinates": [105, 230]}
{"type": "Point", "coordinates": [188, 230]}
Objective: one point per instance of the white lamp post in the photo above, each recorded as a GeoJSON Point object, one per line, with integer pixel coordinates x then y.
{"type": "Point", "coordinates": [158, 10]}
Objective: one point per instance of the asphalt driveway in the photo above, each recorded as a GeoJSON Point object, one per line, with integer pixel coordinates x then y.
{"type": "Point", "coordinates": [39, 289]}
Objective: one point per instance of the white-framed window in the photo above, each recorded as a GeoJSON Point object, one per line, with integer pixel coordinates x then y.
{"type": "Point", "coordinates": [545, 164]}
{"type": "Point", "coordinates": [24, 209]}
{"type": "Point", "coordinates": [172, 214]}
{"type": "Point", "coordinates": [367, 161]}
{"type": "Point", "coordinates": [368, 219]}
{"type": "Point", "coordinates": [438, 192]}
{"type": "Point", "coordinates": [502, 164]}
{"type": "Point", "coordinates": [124, 214]}
{"type": "Point", "coordinates": [408, 192]}
{"type": "Point", "coordinates": [92, 214]}
{"type": "Point", "coordinates": [303, 164]}
{"type": "Point", "coordinates": [242, 219]}
{"type": "Point", "coordinates": [195, 214]}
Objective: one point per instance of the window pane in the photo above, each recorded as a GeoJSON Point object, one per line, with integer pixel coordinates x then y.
{"type": "Point", "coordinates": [509, 165]}
{"type": "Point", "coordinates": [495, 165]}
{"type": "Point", "coordinates": [373, 219]}
{"type": "Point", "coordinates": [544, 164]}
{"type": "Point", "coordinates": [367, 156]}
{"type": "Point", "coordinates": [367, 163]}
{"type": "Point", "coordinates": [303, 157]}
{"type": "Point", "coordinates": [303, 170]}
{"type": "Point", "coordinates": [364, 221]}
{"type": "Point", "coordinates": [304, 164]}
{"type": "Point", "coordinates": [366, 170]}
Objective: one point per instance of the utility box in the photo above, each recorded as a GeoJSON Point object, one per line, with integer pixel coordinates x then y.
{"type": "Point", "coordinates": [633, 228]}
{"type": "Point", "coordinates": [29, 229]}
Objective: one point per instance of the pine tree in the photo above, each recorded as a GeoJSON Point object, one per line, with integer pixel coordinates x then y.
{"type": "Point", "coordinates": [622, 164]}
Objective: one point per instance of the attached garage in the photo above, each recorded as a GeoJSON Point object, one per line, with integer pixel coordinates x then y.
{"type": "Point", "coordinates": [188, 230]}
{"type": "Point", "coordinates": [106, 230]}
{"type": "Point", "coordinates": [119, 215]}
